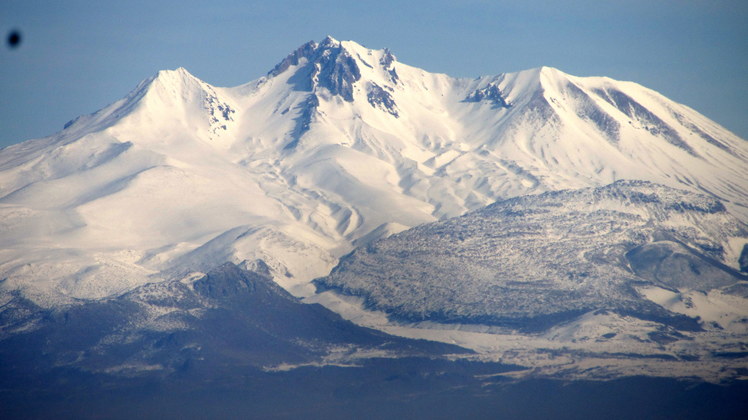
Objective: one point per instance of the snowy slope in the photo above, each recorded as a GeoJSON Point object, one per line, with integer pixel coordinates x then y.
{"type": "Point", "coordinates": [338, 145]}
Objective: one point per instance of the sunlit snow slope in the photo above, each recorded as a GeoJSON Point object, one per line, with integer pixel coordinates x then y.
{"type": "Point", "coordinates": [338, 145]}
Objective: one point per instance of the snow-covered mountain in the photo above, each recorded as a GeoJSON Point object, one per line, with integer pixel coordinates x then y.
{"type": "Point", "coordinates": [336, 146]}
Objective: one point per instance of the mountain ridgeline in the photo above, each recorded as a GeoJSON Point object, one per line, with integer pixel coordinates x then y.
{"type": "Point", "coordinates": [575, 215]}
{"type": "Point", "coordinates": [335, 143]}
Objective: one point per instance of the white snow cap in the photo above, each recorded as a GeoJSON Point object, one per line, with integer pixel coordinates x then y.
{"type": "Point", "coordinates": [337, 144]}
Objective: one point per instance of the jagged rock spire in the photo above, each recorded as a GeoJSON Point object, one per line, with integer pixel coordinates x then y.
{"type": "Point", "coordinates": [327, 64]}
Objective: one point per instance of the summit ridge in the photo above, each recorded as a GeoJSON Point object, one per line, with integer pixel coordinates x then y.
{"type": "Point", "coordinates": [576, 226]}
{"type": "Point", "coordinates": [336, 146]}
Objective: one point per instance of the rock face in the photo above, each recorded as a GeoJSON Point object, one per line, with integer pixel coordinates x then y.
{"type": "Point", "coordinates": [491, 94]}
{"type": "Point", "coordinates": [380, 98]}
{"type": "Point", "coordinates": [743, 261]}
{"type": "Point", "coordinates": [326, 65]}
{"type": "Point", "coordinates": [534, 261]}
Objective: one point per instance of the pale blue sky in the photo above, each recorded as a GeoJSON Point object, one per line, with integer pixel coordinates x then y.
{"type": "Point", "coordinates": [79, 56]}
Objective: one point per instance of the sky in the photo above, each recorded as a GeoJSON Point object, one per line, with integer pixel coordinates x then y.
{"type": "Point", "coordinates": [76, 57]}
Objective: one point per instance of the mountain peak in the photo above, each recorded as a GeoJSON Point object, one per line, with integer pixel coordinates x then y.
{"type": "Point", "coordinates": [341, 145]}
{"type": "Point", "coordinates": [329, 42]}
{"type": "Point", "coordinates": [178, 75]}
{"type": "Point", "coordinates": [310, 51]}
{"type": "Point", "coordinates": [545, 75]}
{"type": "Point", "coordinates": [327, 64]}
{"type": "Point", "coordinates": [552, 74]}
{"type": "Point", "coordinates": [178, 85]}
{"type": "Point", "coordinates": [410, 148]}
{"type": "Point", "coordinates": [337, 66]}
{"type": "Point", "coordinates": [548, 70]}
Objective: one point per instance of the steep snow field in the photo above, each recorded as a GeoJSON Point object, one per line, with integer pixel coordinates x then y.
{"type": "Point", "coordinates": [338, 145]}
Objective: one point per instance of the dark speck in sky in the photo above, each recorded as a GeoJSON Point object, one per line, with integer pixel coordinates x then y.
{"type": "Point", "coordinates": [14, 39]}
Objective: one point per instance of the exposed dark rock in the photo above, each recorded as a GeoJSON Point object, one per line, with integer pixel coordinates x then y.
{"type": "Point", "coordinates": [328, 65]}
{"type": "Point", "coordinates": [387, 59]}
{"type": "Point", "coordinates": [305, 51]}
{"type": "Point", "coordinates": [743, 260]}
{"type": "Point", "coordinates": [71, 122]}
{"type": "Point", "coordinates": [337, 70]}
{"type": "Point", "coordinates": [491, 94]}
{"type": "Point", "coordinates": [387, 62]}
{"type": "Point", "coordinates": [711, 206]}
{"type": "Point", "coordinates": [381, 99]}
{"type": "Point", "coordinates": [304, 120]}
{"type": "Point", "coordinates": [222, 109]}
